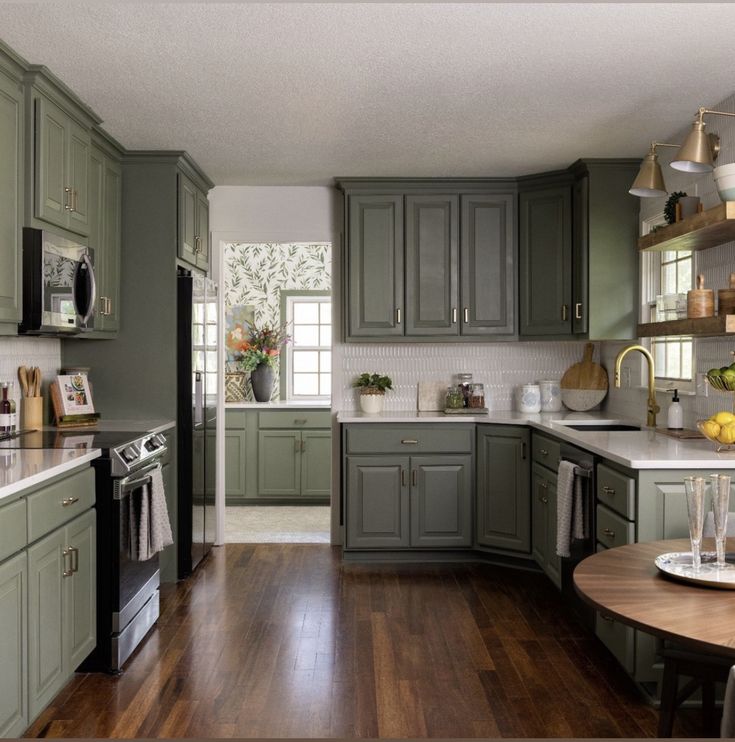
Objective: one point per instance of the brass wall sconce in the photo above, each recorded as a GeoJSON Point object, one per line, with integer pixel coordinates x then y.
{"type": "Point", "coordinates": [650, 180]}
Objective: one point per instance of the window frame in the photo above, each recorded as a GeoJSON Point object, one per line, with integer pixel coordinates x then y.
{"type": "Point", "coordinates": [285, 381]}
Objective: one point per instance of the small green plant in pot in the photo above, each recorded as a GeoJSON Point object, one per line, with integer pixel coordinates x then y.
{"type": "Point", "coordinates": [372, 392]}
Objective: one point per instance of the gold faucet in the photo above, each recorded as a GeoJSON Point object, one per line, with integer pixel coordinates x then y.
{"type": "Point", "coordinates": [653, 408]}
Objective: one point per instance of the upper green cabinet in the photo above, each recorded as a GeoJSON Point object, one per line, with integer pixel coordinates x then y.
{"type": "Point", "coordinates": [193, 223]}
{"type": "Point", "coordinates": [577, 255]}
{"type": "Point", "coordinates": [429, 260]}
{"type": "Point", "coordinates": [105, 230]}
{"type": "Point", "coordinates": [11, 193]}
{"type": "Point", "coordinates": [59, 129]}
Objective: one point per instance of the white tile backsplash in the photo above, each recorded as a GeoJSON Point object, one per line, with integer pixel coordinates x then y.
{"type": "Point", "coordinates": [29, 351]}
{"type": "Point", "coordinates": [501, 367]}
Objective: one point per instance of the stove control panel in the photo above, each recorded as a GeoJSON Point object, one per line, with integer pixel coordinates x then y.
{"type": "Point", "coordinates": [131, 455]}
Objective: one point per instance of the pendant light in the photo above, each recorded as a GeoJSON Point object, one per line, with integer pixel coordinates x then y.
{"type": "Point", "coordinates": [699, 150]}
{"type": "Point", "coordinates": [649, 182]}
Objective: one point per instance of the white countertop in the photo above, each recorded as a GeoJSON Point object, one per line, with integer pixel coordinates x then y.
{"type": "Point", "coordinates": [278, 404]}
{"type": "Point", "coordinates": [133, 426]}
{"type": "Point", "coordinates": [644, 449]}
{"type": "Point", "coordinates": [23, 468]}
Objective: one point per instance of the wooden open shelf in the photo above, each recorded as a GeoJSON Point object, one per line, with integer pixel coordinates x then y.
{"type": "Point", "coordinates": [699, 327]}
{"type": "Point", "coordinates": [699, 232]}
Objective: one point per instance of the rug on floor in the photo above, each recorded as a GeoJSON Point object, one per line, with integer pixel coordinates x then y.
{"type": "Point", "coordinates": [277, 524]}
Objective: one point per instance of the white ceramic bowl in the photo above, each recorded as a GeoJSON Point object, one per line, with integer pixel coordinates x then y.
{"type": "Point", "coordinates": [727, 194]}
{"type": "Point", "coordinates": [725, 181]}
{"type": "Point", "coordinates": [721, 170]}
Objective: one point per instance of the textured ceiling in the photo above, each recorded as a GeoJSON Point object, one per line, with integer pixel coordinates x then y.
{"type": "Point", "coordinates": [295, 93]}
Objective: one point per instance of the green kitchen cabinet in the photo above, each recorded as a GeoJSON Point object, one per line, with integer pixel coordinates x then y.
{"type": "Point", "coordinates": [543, 519]}
{"type": "Point", "coordinates": [235, 464]}
{"type": "Point", "coordinates": [279, 470]}
{"type": "Point", "coordinates": [13, 646]}
{"type": "Point", "coordinates": [431, 267]}
{"type": "Point", "coordinates": [105, 230]}
{"type": "Point", "coordinates": [375, 266]}
{"type": "Point", "coordinates": [193, 223]}
{"type": "Point", "coordinates": [316, 463]}
{"type": "Point", "coordinates": [61, 607]}
{"type": "Point", "coordinates": [545, 261]}
{"type": "Point", "coordinates": [429, 260]}
{"type": "Point", "coordinates": [503, 498]}
{"type": "Point", "coordinates": [11, 190]}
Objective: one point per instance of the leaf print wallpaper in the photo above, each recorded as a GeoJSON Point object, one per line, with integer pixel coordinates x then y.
{"type": "Point", "coordinates": [256, 273]}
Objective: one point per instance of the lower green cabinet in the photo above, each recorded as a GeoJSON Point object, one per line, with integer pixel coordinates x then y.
{"type": "Point", "coordinates": [13, 646]}
{"type": "Point", "coordinates": [543, 517]}
{"type": "Point", "coordinates": [398, 501]}
{"type": "Point", "coordinates": [294, 463]}
{"type": "Point", "coordinates": [61, 606]}
{"type": "Point", "coordinates": [234, 464]}
{"type": "Point", "coordinates": [503, 488]}
{"type": "Point", "coordinates": [316, 463]}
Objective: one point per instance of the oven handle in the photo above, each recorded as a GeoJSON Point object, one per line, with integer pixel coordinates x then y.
{"type": "Point", "coordinates": [125, 486]}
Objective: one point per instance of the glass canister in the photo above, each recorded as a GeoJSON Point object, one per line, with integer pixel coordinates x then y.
{"type": "Point", "coordinates": [530, 398]}
{"type": "Point", "coordinates": [550, 395]}
{"type": "Point", "coordinates": [454, 399]}
{"type": "Point", "coordinates": [477, 396]}
{"type": "Point", "coordinates": [464, 382]}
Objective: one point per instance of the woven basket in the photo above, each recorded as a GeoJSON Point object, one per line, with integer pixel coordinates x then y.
{"type": "Point", "coordinates": [236, 386]}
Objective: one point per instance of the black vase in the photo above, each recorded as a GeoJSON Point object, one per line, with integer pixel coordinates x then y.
{"type": "Point", "coordinates": [261, 379]}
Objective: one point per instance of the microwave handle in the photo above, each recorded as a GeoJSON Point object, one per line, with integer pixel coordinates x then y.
{"type": "Point", "coordinates": [85, 313]}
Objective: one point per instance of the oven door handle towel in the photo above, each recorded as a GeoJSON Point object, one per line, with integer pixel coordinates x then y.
{"type": "Point", "coordinates": [150, 528]}
{"type": "Point", "coordinates": [569, 508]}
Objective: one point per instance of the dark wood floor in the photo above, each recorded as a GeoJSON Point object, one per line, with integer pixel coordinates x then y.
{"type": "Point", "coordinates": [283, 640]}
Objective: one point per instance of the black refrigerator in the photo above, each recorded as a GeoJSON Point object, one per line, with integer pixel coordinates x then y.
{"type": "Point", "coordinates": [197, 417]}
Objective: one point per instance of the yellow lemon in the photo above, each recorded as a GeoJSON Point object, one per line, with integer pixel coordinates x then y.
{"type": "Point", "coordinates": [727, 434]}
{"type": "Point", "coordinates": [711, 429]}
{"type": "Point", "coordinates": [723, 418]}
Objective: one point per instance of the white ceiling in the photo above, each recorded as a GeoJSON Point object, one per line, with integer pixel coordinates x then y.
{"type": "Point", "coordinates": [295, 93]}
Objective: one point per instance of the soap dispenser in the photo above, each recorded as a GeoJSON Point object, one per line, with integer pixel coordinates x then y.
{"type": "Point", "coordinates": [676, 413]}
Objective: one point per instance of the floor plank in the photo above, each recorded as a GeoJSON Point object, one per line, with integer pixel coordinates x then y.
{"type": "Point", "coordinates": [285, 640]}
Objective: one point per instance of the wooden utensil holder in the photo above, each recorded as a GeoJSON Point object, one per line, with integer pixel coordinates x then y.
{"type": "Point", "coordinates": [700, 301]}
{"type": "Point", "coordinates": [726, 298]}
{"type": "Point", "coordinates": [31, 413]}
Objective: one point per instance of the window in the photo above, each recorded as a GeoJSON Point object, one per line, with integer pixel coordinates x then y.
{"type": "Point", "coordinates": [669, 272]}
{"type": "Point", "coordinates": [308, 372]}
{"type": "Point", "coordinates": [204, 345]}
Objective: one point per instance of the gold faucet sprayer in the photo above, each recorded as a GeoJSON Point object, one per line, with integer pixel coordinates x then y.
{"type": "Point", "coordinates": [652, 407]}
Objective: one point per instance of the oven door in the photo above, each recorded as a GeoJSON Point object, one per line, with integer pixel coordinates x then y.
{"type": "Point", "coordinates": [138, 580]}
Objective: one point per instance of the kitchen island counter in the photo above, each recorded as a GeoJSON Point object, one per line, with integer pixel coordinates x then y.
{"type": "Point", "coordinates": [642, 449]}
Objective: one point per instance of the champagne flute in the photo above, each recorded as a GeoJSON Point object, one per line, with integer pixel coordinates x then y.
{"type": "Point", "coordinates": [695, 488]}
{"type": "Point", "coordinates": [720, 506]}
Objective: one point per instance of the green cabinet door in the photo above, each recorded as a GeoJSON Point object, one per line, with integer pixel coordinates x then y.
{"type": "Point", "coordinates": [201, 244]}
{"type": "Point", "coordinates": [279, 463]}
{"type": "Point", "coordinates": [52, 192]}
{"type": "Point", "coordinates": [13, 646]}
{"type": "Point", "coordinates": [539, 515]}
{"type": "Point", "coordinates": [487, 255]}
{"type": "Point", "coordinates": [316, 463]}
{"type": "Point", "coordinates": [580, 277]}
{"type": "Point", "coordinates": [553, 562]}
{"type": "Point", "coordinates": [11, 203]}
{"type": "Point", "coordinates": [80, 599]}
{"type": "Point", "coordinates": [432, 282]}
{"type": "Point", "coordinates": [187, 219]}
{"type": "Point", "coordinates": [111, 245]}
{"type": "Point", "coordinates": [503, 488]}
{"type": "Point", "coordinates": [78, 164]}
{"type": "Point", "coordinates": [96, 230]}
{"type": "Point", "coordinates": [377, 502]}
{"type": "Point", "coordinates": [235, 458]}
{"type": "Point", "coordinates": [441, 501]}
{"type": "Point", "coordinates": [545, 262]}
{"type": "Point", "coordinates": [375, 266]}
{"type": "Point", "coordinates": [49, 566]}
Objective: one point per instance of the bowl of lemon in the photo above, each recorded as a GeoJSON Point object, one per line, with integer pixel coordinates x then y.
{"type": "Point", "coordinates": [720, 429]}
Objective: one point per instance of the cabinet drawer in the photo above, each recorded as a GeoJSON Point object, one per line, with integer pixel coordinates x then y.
{"type": "Point", "coordinates": [442, 438]}
{"type": "Point", "coordinates": [612, 529]}
{"type": "Point", "coordinates": [616, 491]}
{"type": "Point", "coordinates": [545, 451]}
{"type": "Point", "coordinates": [235, 419]}
{"type": "Point", "coordinates": [295, 419]}
{"type": "Point", "coordinates": [59, 503]}
{"type": "Point", "coordinates": [618, 638]}
{"type": "Point", "coordinates": [13, 528]}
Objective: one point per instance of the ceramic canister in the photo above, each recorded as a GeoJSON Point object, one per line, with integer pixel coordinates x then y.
{"type": "Point", "coordinates": [530, 398]}
{"type": "Point", "coordinates": [550, 395]}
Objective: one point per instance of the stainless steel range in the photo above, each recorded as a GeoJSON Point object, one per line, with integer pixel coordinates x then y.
{"type": "Point", "coordinates": [127, 590]}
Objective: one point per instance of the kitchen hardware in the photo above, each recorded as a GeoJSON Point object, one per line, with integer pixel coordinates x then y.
{"type": "Point", "coordinates": [584, 385]}
{"type": "Point", "coordinates": [652, 406]}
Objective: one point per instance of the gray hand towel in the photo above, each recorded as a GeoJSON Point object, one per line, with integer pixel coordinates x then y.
{"type": "Point", "coordinates": [160, 528]}
{"type": "Point", "coordinates": [150, 529]}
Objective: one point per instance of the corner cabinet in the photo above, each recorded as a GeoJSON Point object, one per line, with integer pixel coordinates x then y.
{"type": "Point", "coordinates": [577, 258]}
{"type": "Point", "coordinates": [503, 503]}
{"type": "Point", "coordinates": [429, 260]}
{"type": "Point", "coordinates": [193, 239]}
{"type": "Point", "coordinates": [408, 486]}
{"type": "Point", "coordinates": [11, 187]}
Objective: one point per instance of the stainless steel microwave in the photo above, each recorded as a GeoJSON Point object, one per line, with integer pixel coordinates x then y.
{"type": "Point", "coordinates": [59, 287]}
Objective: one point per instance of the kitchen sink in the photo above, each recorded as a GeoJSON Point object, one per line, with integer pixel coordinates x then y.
{"type": "Point", "coordinates": [603, 426]}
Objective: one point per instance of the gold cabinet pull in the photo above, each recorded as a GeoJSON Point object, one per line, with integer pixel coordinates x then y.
{"type": "Point", "coordinates": [608, 490]}
{"type": "Point", "coordinates": [74, 558]}
{"type": "Point", "coordinates": [607, 532]}
{"type": "Point", "coordinates": [605, 617]}
{"type": "Point", "coordinates": [67, 199]}
{"type": "Point", "coordinates": [544, 500]}
{"type": "Point", "coordinates": [74, 196]}
{"type": "Point", "coordinates": [466, 315]}
{"type": "Point", "coordinates": [454, 315]}
{"type": "Point", "coordinates": [297, 445]}
{"type": "Point", "coordinates": [578, 310]}
{"type": "Point", "coordinates": [398, 316]}
{"type": "Point", "coordinates": [300, 421]}
{"type": "Point", "coordinates": [68, 572]}
{"type": "Point", "coordinates": [564, 310]}
{"type": "Point", "coordinates": [543, 452]}
{"type": "Point", "coordinates": [403, 477]}
{"type": "Point", "coordinates": [409, 441]}
{"type": "Point", "coordinates": [69, 501]}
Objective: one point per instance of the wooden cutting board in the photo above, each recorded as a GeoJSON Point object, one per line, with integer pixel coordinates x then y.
{"type": "Point", "coordinates": [586, 374]}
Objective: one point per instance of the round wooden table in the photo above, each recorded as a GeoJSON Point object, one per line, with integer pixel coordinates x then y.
{"type": "Point", "coordinates": [624, 583]}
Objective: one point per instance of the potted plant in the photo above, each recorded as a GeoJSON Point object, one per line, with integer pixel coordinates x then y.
{"type": "Point", "coordinates": [256, 350]}
{"type": "Point", "coordinates": [372, 392]}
